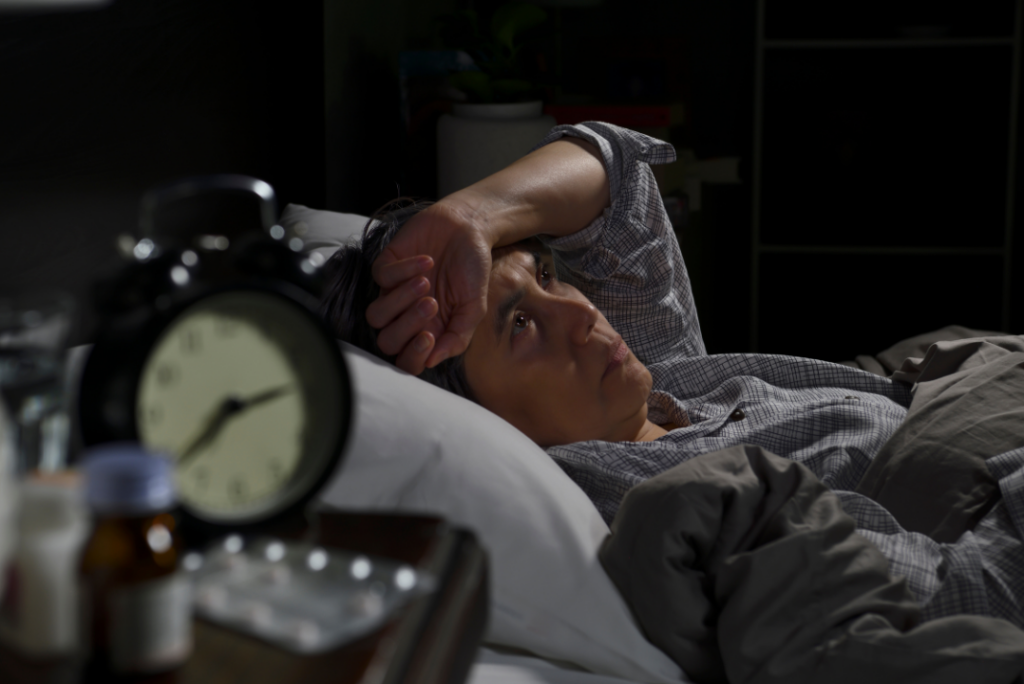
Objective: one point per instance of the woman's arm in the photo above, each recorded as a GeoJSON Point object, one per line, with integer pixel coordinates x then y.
{"type": "Point", "coordinates": [434, 274]}
{"type": "Point", "coordinates": [555, 190]}
{"type": "Point", "coordinates": [628, 262]}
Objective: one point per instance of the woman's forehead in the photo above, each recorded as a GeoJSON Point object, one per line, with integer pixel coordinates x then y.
{"type": "Point", "coordinates": [513, 256]}
{"type": "Point", "coordinates": [511, 269]}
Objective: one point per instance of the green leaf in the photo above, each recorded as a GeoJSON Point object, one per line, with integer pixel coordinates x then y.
{"type": "Point", "coordinates": [510, 89]}
{"type": "Point", "coordinates": [513, 18]}
{"type": "Point", "coordinates": [476, 84]}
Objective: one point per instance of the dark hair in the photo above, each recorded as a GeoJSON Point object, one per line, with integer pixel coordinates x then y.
{"type": "Point", "coordinates": [350, 289]}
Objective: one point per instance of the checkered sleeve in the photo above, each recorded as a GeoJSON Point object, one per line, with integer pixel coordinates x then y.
{"type": "Point", "coordinates": [628, 261]}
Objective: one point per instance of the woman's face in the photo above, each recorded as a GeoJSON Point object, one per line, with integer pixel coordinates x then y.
{"type": "Point", "coordinates": [547, 361]}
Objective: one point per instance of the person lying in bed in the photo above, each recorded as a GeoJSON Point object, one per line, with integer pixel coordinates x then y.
{"type": "Point", "coordinates": [554, 294]}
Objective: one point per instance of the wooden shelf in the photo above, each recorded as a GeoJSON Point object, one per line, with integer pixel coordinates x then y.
{"type": "Point", "coordinates": [884, 165]}
{"type": "Point", "coordinates": [893, 250]}
{"type": "Point", "coordinates": [874, 43]}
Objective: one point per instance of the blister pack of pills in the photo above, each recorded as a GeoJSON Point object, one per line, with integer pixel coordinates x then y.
{"type": "Point", "coordinates": [305, 598]}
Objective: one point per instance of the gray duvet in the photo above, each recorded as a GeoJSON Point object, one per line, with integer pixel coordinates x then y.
{"type": "Point", "coordinates": [743, 567]}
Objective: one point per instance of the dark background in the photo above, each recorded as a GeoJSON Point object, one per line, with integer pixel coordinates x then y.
{"type": "Point", "coordinates": [99, 106]}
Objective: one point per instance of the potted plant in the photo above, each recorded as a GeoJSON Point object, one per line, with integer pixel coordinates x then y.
{"type": "Point", "coordinates": [500, 76]}
{"type": "Point", "coordinates": [502, 116]}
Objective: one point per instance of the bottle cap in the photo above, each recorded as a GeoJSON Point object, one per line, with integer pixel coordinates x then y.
{"type": "Point", "coordinates": [123, 478]}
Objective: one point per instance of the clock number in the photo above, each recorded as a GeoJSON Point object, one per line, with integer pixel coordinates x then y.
{"type": "Point", "coordinates": [154, 414]}
{"type": "Point", "coordinates": [191, 342]}
{"type": "Point", "coordinates": [276, 470]}
{"type": "Point", "coordinates": [236, 489]}
{"type": "Point", "coordinates": [267, 332]}
{"type": "Point", "coordinates": [201, 477]}
{"type": "Point", "coordinates": [225, 327]}
{"type": "Point", "coordinates": [167, 374]}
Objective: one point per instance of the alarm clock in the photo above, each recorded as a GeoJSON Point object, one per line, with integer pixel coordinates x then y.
{"type": "Point", "coordinates": [210, 350]}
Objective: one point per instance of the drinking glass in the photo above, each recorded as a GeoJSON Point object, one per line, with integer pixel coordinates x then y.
{"type": "Point", "coordinates": [33, 412]}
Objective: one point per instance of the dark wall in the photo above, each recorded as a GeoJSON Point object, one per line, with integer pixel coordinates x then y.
{"type": "Point", "coordinates": [679, 48]}
{"type": "Point", "coordinates": [891, 159]}
{"type": "Point", "coordinates": [700, 53]}
{"type": "Point", "coordinates": [364, 146]}
{"type": "Point", "coordinates": [101, 105]}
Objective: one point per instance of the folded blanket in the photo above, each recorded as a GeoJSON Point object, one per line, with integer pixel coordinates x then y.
{"type": "Point", "coordinates": [968, 407]}
{"type": "Point", "coordinates": [743, 567]}
{"type": "Point", "coordinates": [884, 363]}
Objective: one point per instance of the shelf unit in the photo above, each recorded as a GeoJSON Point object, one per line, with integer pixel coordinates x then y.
{"type": "Point", "coordinates": [883, 174]}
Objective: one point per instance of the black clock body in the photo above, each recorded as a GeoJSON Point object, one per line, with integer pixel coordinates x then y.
{"type": "Point", "coordinates": [280, 372]}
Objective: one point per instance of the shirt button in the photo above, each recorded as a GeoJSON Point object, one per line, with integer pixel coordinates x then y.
{"type": "Point", "coordinates": [738, 414]}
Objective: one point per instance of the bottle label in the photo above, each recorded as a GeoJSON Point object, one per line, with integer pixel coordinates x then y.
{"type": "Point", "coordinates": [151, 624]}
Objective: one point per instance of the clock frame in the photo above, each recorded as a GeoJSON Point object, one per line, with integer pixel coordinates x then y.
{"type": "Point", "coordinates": [159, 286]}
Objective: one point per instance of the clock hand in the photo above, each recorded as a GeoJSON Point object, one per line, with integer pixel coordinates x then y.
{"type": "Point", "coordinates": [262, 397]}
{"type": "Point", "coordinates": [210, 429]}
{"type": "Point", "coordinates": [227, 409]}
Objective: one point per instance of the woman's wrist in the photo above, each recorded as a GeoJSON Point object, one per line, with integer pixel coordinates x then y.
{"type": "Point", "coordinates": [555, 190]}
{"type": "Point", "coordinates": [499, 219]}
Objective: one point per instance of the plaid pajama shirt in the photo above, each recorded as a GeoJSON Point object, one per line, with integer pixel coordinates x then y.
{"type": "Point", "coordinates": [829, 417]}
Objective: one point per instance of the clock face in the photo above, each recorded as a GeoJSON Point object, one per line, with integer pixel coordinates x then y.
{"type": "Point", "coordinates": [241, 389]}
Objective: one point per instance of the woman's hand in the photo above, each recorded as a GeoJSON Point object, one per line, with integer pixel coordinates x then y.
{"type": "Point", "coordinates": [434, 274]}
{"type": "Point", "coordinates": [433, 278]}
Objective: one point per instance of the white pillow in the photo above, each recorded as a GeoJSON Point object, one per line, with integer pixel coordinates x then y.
{"type": "Point", "coordinates": [420, 449]}
{"type": "Point", "coordinates": [322, 232]}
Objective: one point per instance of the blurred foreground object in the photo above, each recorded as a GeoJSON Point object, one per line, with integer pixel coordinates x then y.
{"type": "Point", "coordinates": [210, 349]}
{"type": "Point", "coordinates": [137, 605]}
{"type": "Point", "coordinates": [39, 606]}
{"type": "Point", "coordinates": [33, 418]}
{"type": "Point", "coordinates": [432, 639]}
{"type": "Point", "coordinates": [300, 596]}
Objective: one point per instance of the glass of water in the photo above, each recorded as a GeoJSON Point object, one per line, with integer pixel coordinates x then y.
{"type": "Point", "coordinates": [34, 422]}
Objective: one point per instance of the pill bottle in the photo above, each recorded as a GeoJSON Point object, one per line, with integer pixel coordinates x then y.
{"type": "Point", "coordinates": [39, 610]}
{"type": "Point", "coordinates": [136, 610]}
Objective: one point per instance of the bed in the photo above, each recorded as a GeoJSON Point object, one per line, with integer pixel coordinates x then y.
{"type": "Point", "coordinates": [555, 613]}
{"type": "Point", "coordinates": [555, 616]}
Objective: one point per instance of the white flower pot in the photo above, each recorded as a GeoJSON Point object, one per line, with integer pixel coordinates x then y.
{"type": "Point", "coordinates": [479, 139]}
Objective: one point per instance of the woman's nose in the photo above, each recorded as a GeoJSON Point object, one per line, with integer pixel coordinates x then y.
{"type": "Point", "coordinates": [579, 316]}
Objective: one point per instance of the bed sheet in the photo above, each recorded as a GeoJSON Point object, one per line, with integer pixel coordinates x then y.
{"type": "Point", "coordinates": [493, 667]}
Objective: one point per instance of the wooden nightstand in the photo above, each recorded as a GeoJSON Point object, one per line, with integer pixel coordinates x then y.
{"type": "Point", "coordinates": [431, 641]}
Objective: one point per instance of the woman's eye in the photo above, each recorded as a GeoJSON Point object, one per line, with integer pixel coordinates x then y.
{"type": "Point", "coordinates": [519, 324]}
{"type": "Point", "coordinates": [545, 276]}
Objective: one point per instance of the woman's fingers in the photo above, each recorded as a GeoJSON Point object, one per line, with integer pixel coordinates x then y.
{"type": "Point", "coordinates": [394, 337]}
{"type": "Point", "coordinates": [391, 274]}
{"type": "Point", "coordinates": [413, 358]}
{"type": "Point", "coordinates": [387, 307]}
{"type": "Point", "coordinates": [446, 347]}
{"type": "Point", "coordinates": [458, 333]}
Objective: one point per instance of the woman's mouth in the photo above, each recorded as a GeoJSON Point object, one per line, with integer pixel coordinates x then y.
{"type": "Point", "coordinates": [617, 354]}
